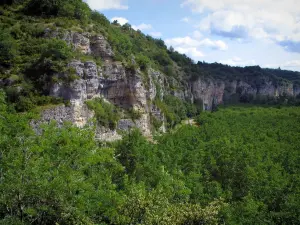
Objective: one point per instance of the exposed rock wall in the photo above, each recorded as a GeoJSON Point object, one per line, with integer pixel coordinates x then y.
{"type": "Point", "coordinates": [133, 89]}
{"type": "Point", "coordinates": [111, 81]}
{"type": "Point", "coordinates": [213, 92]}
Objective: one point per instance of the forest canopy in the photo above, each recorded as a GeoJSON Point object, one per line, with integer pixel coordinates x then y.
{"type": "Point", "coordinates": [239, 166]}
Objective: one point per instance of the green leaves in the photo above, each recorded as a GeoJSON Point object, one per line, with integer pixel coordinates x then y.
{"type": "Point", "coordinates": [143, 61]}
{"type": "Point", "coordinates": [241, 166]}
{"type": "Point", "coordinates": [106, 114]}
{"type": "Point", "coordinates": [8, 49]}
{"type": "Point", "coordinates": [176, 109]}
{"type": "Point", "coordinates": [69, 8]}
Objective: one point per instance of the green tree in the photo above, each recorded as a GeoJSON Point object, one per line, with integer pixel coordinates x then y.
{"type": "Point", "coordinates": [8, 48]}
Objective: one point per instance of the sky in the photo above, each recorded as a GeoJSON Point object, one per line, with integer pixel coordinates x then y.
{"type": "Point", "coordinates": [233, 32]}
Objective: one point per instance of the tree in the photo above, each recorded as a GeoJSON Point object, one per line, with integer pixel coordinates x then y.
{"type": "Point", "coordinates": [115, 22]}
{"type": "Point", "coordinates": [70, 8]}
{"type": "Point", "coordinates": [8, 49]}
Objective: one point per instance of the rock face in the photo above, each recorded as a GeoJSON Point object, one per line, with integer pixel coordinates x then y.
{"type": "Point", "coordinates": [87, 43]}
{"type": "Point", "coordinates": [132, 89]}
{"type": "Point", "coordinates": [212, 92]}
{"type": "Point", "coordinates": [112, 81]}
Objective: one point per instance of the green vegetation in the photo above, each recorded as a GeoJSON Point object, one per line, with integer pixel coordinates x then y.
{"type": "Point", "coordinates": [240, 166]}
{"type": "Point", "coordinates": [33, 60]}
{"type": "Point", "coordinates": [176, 110]}
{"type": "Point", "coordinates": [8, 49]}
{"type": "Point", "coordinates": [68, 8]}
{"type": "Point", "coordinates": [134, 114]}
{"type": "Point", "coordinates": [106, 114]}
{"type": "Point", "coordinates": [62, 176]}
{"type": "Point", "coordinates": [36, 59]}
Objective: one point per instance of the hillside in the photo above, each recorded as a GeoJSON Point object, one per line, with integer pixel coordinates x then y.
{"type": "Point", "coordinates": [81, 97]}
{"type": "Point", "coordinates": [62, 53]}
{"type": "Point", "coordinates": [240, 166]}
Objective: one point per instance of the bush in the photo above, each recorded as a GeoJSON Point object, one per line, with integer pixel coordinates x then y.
{"type": "Point", "coordinates": [176, 110]}
{"type": "Point", "coordinates": [24, 104]}
{"type": "Point", "coordinates": [106, 114]}
{"type": "Point", "coordinates": [134, 114]}
{"type": "Point", "coordinates": [143, 61]}
{"type": "Point", "coordinates": [156, 123]}
{"type": "Point", "coordinates": [99, 18]}
{"type": "Point", "coordinates": [56, 49]}
{"type": "Point", "coordinates": [8, 49]}
{"type": "Point", "coordinates": [69, 8]}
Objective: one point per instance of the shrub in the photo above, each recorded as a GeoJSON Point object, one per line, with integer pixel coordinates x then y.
{"type": "Point", "coordinates": [8, 49]}
{"type": "Point", "coordinates": [106, 114]}
{"type": "Point", "coordinates": [99, 18]}
{"type": "Point", "coordinates": [156, 123]}
{"type": "Point", "coordinates": [134, 114]}
{"type": "Point", "coordinates": [143, 61]}
{"type": "Point", "coordinates": [69, 8]}
{"type": "Point", "coordinates": [56, 49]}
{"type": "Point", "coordinates": [24, 104]}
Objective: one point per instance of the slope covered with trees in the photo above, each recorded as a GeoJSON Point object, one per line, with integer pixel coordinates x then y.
{"type": "Point", "coordinates": [28, 60]}
{"type": "Point", "coordinates": [239, 166]}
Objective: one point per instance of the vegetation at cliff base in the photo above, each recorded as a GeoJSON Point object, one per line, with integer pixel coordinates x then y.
{"type": "Point", "coordinates": [240, 166]}
{"type": "Point", "coordinates": [106, 114]}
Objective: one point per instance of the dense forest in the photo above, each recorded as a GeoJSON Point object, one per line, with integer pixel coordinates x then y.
{"type": "Point", "coordinates": [239, 164]}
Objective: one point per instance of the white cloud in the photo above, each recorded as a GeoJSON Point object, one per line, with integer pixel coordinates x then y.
{"type": "Point", "coordinates": [156, 34]}
{"type": "Point", "coordinates": [197, 34]}
{"type": "Point", "coordinates": [183, 41]}
{"type": "Point", "coordinates": [236, 61]}
{"type": "Point", "coordinates": [275, 20]}
{"type": "Point", "coordinates": [142, 27]}
{"type": "Point", "coordinates": [192, 46]}
{"type": "Point", "coordinates": [188, 42]}
{"type": "Point", "coordinates": [192, 51]}
{"type": "Point", "coordinates": [106, 5]}
{"type": "Point", "coordinates": [185, 19]}
{"type": "Point", "coordinates": [121, 20]}
{"type": "Point", "coordinates": [219, 45]}
{"type": "Point", "coordinates": [292, 64]}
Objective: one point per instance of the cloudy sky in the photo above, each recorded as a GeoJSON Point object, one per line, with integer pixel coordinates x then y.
{"type": "Point", "coordinates": [235, 32]}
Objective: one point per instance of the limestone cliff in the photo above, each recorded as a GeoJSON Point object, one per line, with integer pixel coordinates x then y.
{"type": "Point", "coordinates": [132, 89]}
{"type": "Point", "coordinates": [112, 81]}
{"type": "Point", "coordinates": [214, 92]}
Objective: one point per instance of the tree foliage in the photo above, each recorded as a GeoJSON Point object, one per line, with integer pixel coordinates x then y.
{"type": "Point", "coordinates": [63, 176]}
{"type": "Point", "coordinates": [8, 49]}
{"type": "Point", "coordinates": [240, 166]}
{"type": "Point", "coordinates": [106, 114]}
{"type": "Point", "coordinates": [68, 8]}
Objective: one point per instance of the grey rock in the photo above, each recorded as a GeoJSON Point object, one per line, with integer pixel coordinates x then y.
{"type": "Point", "coordinates": [100, 47]}
{"type": "Point", "coordinates": [126, 124]}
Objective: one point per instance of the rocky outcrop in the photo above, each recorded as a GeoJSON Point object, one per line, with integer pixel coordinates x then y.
{"type": "Point", "coordinates": [86, 43]}
{"type": "Point", "coordinates": [112, 81]}
{"type": "Point", "coordinates": [132, 89]}
{"type": "Point", "coordinates": [212, 92]}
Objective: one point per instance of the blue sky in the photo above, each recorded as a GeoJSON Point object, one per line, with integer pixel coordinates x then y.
{"type": "Point", "coordinates": [234, 32]}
